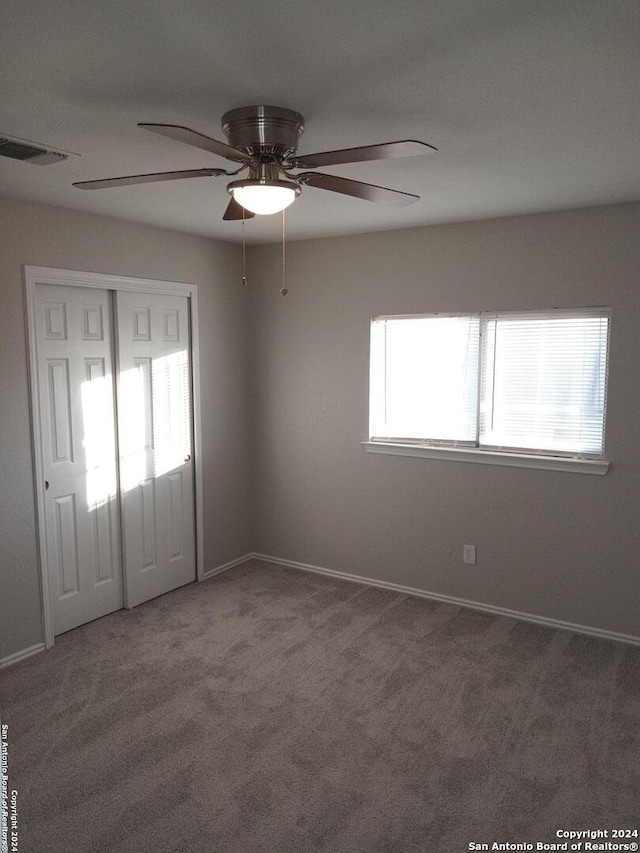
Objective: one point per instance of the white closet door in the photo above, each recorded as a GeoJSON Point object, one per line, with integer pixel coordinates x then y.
{"type": "Point", "coordinates": [76, 394]}
{"type": "Point", "coordinates": [154, 424]}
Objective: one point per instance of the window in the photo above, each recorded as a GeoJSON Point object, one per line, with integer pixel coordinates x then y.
{"type": "Point", "coordinates": [520, 383]}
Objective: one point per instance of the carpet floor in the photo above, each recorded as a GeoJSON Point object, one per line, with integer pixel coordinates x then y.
{"type": "Point", "coordinates": [274, 711]}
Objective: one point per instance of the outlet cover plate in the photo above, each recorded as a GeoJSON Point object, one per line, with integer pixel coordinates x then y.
{"type": "Point", "coordinates": [469, 554]}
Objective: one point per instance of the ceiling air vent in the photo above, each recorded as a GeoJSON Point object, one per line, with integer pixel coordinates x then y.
{"type": "Point", "coordinates": [29, 153]}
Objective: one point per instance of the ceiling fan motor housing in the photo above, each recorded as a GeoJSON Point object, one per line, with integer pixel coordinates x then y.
{"type": "Point", "coordinates": [264, 130]}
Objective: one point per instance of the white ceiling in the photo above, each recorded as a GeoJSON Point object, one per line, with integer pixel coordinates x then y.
{"type": "Point", "coordinates": [533, 104]}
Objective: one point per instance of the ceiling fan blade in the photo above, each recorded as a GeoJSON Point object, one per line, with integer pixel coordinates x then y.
{"type": "Point", "coordinates": [369, 192]}
{"type": "Point", "coordinates": [237, 211]}
{"type": "Point", "coordinates": [384, 151]}
{"type": "Point", "coordinates": [127, 180]}
{"type": "Point", "coordinates": [192, 137]}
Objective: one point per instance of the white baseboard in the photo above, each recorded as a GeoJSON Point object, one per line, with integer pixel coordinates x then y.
{"type": "Point", "coordinates": [21, 655]}
{"type": "Point", "coordinates": [394, 587]}
{"type": "Point", "coordinates": [450, 599]}
{"type": "Point", "coordinates": [226, 566]}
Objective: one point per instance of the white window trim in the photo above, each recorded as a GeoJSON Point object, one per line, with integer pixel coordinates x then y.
{"type": "Point", "coordinates": [483, 455]}
{"type": "Point", "coordinates": [490, 457]}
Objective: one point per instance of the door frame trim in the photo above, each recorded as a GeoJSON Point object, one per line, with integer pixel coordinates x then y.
{"type": "Point", "coordinates": [34, 275]}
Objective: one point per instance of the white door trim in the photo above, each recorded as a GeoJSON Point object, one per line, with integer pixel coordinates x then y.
{"type": "Point", "coordinates": [74, 278]}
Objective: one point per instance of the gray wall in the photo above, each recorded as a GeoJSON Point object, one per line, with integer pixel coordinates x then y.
{"type": "Point", "coordinates": [560, 545]}
{"type": "Point", "coordinates": [285, 397]}
{"type": "Point", "coordinates": [48, 236]}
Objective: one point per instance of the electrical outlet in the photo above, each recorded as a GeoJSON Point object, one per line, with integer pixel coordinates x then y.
{"type": "Point", "coordinates": [469, 554]}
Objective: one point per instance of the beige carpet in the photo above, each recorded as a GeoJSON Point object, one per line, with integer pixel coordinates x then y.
{"type": "Point", "coordinates": [268, 711]}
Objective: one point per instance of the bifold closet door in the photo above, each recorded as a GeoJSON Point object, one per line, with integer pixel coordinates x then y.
{"type": "Point", "coordinates": [76, 401]}
{"type": "Point", "coordinates": [155, 429]}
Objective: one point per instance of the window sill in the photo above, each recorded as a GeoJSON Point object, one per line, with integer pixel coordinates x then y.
{"type": "Point", "coordinates": [491, 457]}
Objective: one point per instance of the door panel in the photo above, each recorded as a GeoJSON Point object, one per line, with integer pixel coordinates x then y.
{"type": "Point", "coordinates": [60, 410]}
{"type": "Point", "coordinates": [66, 537]}
{"type": "Point", "coordinates": [76, 394]}
{"type": "Point", "coordinates": [155, 428]}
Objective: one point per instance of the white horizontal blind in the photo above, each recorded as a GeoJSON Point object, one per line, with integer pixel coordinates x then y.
{"type": "Point", "coordinates": [543, 383]}
{"type": "Point", "coordinates": [424, 378]}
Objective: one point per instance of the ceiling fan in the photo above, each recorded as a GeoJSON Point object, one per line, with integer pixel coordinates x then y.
{"type": "Point", "coordinates": [264, 141]}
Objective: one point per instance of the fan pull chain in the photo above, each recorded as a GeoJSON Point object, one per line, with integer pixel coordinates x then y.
{"type": "Point", "coordinates": [283, 290]}
{"type": "Point", "coordinates": [244, 254]}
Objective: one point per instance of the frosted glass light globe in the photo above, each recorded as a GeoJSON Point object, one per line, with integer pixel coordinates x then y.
{"type": "Point", "coordinates": [264, 196]}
